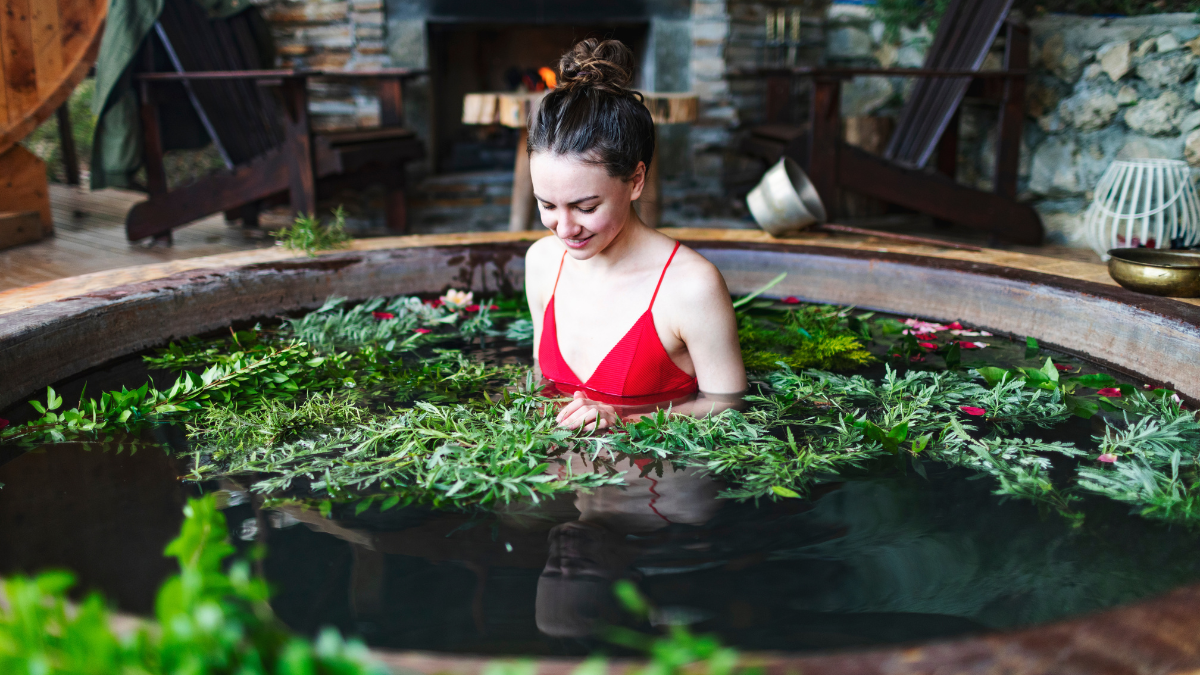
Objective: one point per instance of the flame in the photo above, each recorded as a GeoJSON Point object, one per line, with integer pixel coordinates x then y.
{"type": "Point", "coordinates": [548, 77]}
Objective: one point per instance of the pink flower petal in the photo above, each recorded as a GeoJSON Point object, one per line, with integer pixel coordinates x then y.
{"type": "Point", "coordinates": [791, 300]}
{"type": "Point", "coordinates": [972, 410]}
{"type": "Point", "coordinates": [383, 315]}
{"type": "Point", "coordinates": [928, 345]}
{"type": "Point", "coordinates": [969, 345]}
{"type": "Point", "coordinates": [954, 325]}
{"type": "Point", "coordinates": [422, 331]}
{"type": "Point", "coordinates": [1109, 392]}
{"type": "Point", "coordinates": [1108, 458]}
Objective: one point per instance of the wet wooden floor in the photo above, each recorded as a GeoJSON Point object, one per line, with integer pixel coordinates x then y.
{"type": "Point", "coordinates": [90, 237]}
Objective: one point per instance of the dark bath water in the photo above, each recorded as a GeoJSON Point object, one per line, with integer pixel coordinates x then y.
{"type": "Point", "coordinates": [874, 560]}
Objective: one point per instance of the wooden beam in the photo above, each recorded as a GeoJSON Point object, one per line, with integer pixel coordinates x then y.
{"type": "Point", "coordinates": [1012, 113]}
{"type": "Point", "coordinates": [938, 196]}
{"type": "Point", "coordinates": [23, 185]}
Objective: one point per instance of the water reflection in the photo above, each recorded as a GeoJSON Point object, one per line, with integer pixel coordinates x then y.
{"type": "Point", "coordinates": [869, 561]}
{"type": "Point", "coordinates": [574, 592]}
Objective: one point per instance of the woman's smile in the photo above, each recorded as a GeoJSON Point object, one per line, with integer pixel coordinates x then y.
{"type": "Point", "coordinates": [578, 241]}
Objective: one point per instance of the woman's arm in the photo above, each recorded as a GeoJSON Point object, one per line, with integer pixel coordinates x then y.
{"type": "Point", "coordinates": [706, 323]}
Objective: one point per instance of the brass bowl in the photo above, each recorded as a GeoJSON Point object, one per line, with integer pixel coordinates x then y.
{"type": "Point", "coordinates": [1174, 274]}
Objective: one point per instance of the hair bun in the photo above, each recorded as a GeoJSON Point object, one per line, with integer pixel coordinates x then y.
{"type": "Point", "coordinates": [606, 65]}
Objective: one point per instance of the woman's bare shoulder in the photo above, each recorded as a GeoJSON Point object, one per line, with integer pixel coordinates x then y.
{"type": "Point", "coordinates": [695, 278]}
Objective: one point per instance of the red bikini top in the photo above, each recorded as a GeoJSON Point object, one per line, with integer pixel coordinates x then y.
{"type": "Point", "coordinates": [637, 370]}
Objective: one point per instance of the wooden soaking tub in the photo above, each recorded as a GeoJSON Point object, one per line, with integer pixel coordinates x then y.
{"type": "Point", "coordinates": [62, 328]}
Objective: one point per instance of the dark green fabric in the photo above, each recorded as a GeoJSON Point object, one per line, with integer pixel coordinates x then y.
{"type": "Point", "coordinates": [117, 143]}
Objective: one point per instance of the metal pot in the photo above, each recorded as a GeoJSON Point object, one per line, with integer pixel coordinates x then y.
{"type": "Point", "coordinates": [785, 200]}
{"type": "Point", "coordinates": [1157, 272]}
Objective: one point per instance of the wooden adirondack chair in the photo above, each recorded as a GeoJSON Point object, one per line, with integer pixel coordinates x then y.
{"type": "Point", "coordinates": [258, 120]}
{"type": "Point", "coordinates": [928, 124]}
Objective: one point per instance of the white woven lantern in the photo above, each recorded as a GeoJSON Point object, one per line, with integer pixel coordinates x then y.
{"type": "Point", "coordinates": [1143, 202]}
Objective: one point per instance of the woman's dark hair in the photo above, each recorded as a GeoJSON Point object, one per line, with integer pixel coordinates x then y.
{"type": "Point", "coordinates": [592, 113]}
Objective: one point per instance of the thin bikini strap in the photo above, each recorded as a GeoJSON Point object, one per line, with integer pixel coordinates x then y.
{"type": "Point", "coordinates": [660, 277]}
{"type": "Point", "coordinates": [556, 276]}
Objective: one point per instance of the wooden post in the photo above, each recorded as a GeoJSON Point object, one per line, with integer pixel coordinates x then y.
{"type": "Point", "coordinates": [391, 102]}
{"type": "Point", "coordinates": [823, 144]}
{"type": "Point", "coordinates": [66, 138]}
{"type": "Point", "coordinates": [947, 158]}
{"type": "Point", "coordinates": [302, 184]}
{"type": "Point", "coordinates": [1012, 112]}
{"type": "Point", "coordinates": [523, 205]}
{"type": "Point", "coordinates": [395, 204]}
{"type": "Point", "coordinates": [152, 147]}
{"type": "Point", "coordinates": [779, 94]}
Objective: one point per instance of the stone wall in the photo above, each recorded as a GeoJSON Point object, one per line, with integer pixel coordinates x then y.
{"type": "Point", "coordinates": [345, 34]}
{"type": "Point", "coordinates": [1105, 89]}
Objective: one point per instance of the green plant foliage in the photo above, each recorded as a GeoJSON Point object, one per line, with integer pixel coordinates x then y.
{"type": "Point", "coordinates": [206, 620]}
{"type": "Point", "coordinates": [391, 324]}
{"type": "Point", "coordinates": [897, 14]}
{"type": "Point", "coordinates": [1155, 459]}
{"type": "Point", "coordinates": [309, 235]}
{"type": "Point", "coordinates": [811, 336]}
{"type": "Point", "coordinates": [430, 454]}
{"type": "Point", "coordinates": [677, 652]}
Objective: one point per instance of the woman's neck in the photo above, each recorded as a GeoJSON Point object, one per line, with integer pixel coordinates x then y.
{"type": "Point", "coordinates": [617, 253]}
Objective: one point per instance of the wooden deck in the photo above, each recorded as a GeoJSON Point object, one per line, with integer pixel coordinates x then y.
{"type": "Point", "coordinates": [90, 237]}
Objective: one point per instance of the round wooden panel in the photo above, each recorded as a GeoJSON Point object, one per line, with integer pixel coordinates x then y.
{"type": "Point", "coordinates": [46, 49]}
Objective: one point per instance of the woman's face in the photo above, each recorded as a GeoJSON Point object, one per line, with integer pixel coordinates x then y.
{"type": "Point", "coordinates": [580, 202]}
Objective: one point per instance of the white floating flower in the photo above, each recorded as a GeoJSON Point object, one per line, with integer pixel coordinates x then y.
{"type": "Point", "coordinates": [455, 299]}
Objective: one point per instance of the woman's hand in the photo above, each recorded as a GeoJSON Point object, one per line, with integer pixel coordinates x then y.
{"type": "Point", "coordinates": [583, 411]}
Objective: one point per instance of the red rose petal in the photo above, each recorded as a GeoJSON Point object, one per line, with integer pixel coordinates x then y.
{"type": "Point", "coordinates": [493, 306]}
{"type": "Point", "coordinates": [3, 423]}
{"type": "Point", "coordinates": [1065, 369]}
{"type": "Point", "coordinates": [972, 410]}
{"type": "Point", "coordinates": [471, 308]}
{"type": "Point", "coordinates": [1110, 392]}
{"type": "Point", "coordinates": [954, 325]}
{"type": "Point", "coordinates": [926, 336]}
{"type": "Point", "coordinates": [968, 345]}
{"type": "Point", "coordinates": [928, 345]}
{"type": "Point", "coordinates": [383, 315]}
{"type": "Point", "coordinates": [791, 300]}
{"type": "Point", "coordinates": [434, 303]}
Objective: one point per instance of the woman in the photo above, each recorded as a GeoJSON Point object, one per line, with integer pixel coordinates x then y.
{"type": "Point", "coordinates": [622, 313]}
